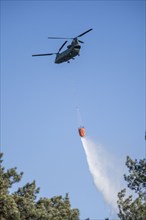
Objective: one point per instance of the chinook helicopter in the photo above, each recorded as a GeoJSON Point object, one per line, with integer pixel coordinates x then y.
{"type": "Point", "coordinates": [72, 50]}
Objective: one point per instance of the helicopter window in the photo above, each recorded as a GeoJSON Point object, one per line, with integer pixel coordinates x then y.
{"type": "Point", "coordinates": [77, 47]}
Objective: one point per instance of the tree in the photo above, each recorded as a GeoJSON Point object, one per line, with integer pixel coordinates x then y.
{"type": "Point", "coordinates": [129, 208]}
{"type": "Point", "coordinates": [23, 204]}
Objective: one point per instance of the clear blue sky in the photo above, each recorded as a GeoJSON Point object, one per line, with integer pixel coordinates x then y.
{"type": "Point", "coordinates": [39, 98]}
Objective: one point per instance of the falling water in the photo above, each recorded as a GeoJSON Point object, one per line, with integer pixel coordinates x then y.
{"type": "Point", "coordinates": [104, 170]}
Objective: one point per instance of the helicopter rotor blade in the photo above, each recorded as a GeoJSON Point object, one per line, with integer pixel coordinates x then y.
{"type": "Point", "coordinates": [60, 38]}
{"type": "Point", "coordinates": [46, 54]}
{"type": "Point", "coordinates": [62, 46]}
{"type": "Point", "coordinates": [81, 41]}
{"type": "Point", "coordinates": [49, 54]}
{"type": "Point", "coordinates": [85, 32]}
{"type": "Point", "coordinates": [71, 37]}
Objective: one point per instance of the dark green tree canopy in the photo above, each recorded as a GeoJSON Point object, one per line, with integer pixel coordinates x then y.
{"type": "Point", "coordinates": [137, 175]}
{"type": "Point", "coordinates": [23, 204]}
{"type": "Point", "coordinates": [129, 208]}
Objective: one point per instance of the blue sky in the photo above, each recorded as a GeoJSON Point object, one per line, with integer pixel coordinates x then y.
{"type": "Point", "coordinates": [39, 98]}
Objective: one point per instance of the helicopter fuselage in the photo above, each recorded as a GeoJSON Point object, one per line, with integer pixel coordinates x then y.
{"type": "Point", "coordinates": [72, 50]}
{"type": "Point", "coordinates": [70, 53]}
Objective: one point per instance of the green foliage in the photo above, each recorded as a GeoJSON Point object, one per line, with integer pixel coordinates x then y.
{"type": "Point", "coordinates": [137, 178]}
{"type": "Point", "coordinates": [23, 204]}
{"type": "Point", "coordinates": [129, 208]}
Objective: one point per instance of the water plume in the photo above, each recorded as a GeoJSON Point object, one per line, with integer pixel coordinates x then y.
{"type": "Point", "coordinates": [104, 170]}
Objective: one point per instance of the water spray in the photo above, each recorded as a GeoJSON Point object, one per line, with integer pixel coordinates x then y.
{"type": "Point", "coordinates": [103, 170]}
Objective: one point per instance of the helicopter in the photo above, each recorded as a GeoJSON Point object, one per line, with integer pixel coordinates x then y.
{"type": "Point", "coordinates": [72, 50]}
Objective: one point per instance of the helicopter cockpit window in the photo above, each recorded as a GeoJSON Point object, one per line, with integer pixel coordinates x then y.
{"type": "Point", "coordinates": [77, 47]}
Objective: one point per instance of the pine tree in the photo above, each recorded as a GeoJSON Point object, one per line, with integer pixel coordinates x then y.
{"type": "Point", "coordinates": [129, 208]}
{"type": "Point", "coordinates": [23, 204]}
